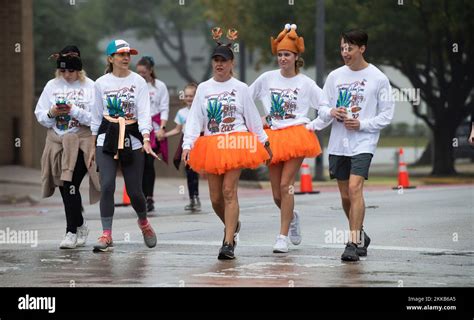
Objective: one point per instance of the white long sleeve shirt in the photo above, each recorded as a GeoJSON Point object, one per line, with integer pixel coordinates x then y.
{"type": "Point", "coordinates": [222, 108]}
{"type": "Point", "coordinates": [159, 99]}
{"type": "Point", "coordinates": [79, 94]}
{"type": "Point", "coordinates": [287, 100]}
{"type": "Point", "coordinates": [367, 93]}
{"type": "Point", "coordinates": [127, 97]}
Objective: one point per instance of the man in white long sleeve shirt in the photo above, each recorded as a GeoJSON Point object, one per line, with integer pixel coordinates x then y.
{"type": "Point", "coordinates": [362, 105]}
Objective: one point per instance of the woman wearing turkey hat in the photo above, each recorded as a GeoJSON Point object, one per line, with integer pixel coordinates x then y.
{"type": "Point", "coordinates": [64, 108]}
{"type": "Point", "coordinates": [287, 95]}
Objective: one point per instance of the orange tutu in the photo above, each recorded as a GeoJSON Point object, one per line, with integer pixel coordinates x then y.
{"type": "Point", "coordinates": [219, 153]}
{"type": "Point", "coordinates": [293, 142]}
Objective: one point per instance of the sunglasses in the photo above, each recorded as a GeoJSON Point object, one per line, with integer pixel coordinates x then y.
{"type": "Point", "coordinates": [68, 70]}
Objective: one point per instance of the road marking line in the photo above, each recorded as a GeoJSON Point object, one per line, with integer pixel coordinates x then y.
{"type": "Point", "coordinates": [322, 246]}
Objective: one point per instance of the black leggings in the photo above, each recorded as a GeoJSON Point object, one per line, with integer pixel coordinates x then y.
{"type": "Point", "coordinates": [149, 176]}
{"type": "Point", "coordinates": [193, 182]}
{"type": "Point", "coordinates": [132, 175]}
{"type": "Point", "coordinates": [72, 197]}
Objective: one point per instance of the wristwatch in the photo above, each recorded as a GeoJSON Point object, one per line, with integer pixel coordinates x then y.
{"type": "Point", "coordinates": [267, 143]}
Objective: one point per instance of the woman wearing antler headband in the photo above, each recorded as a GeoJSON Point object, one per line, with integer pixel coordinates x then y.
{"type": "Point", "coordinates": [223, 106]}
{"type": "Point", "coordinates": [64, 107]}
{"type": "Point", "coordinates": [287, 95]}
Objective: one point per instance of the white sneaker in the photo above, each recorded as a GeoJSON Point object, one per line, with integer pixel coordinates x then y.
{"type": "Point", "coordinates": [82, 233]}
{"type": "Point", "coordinates": [69, 241]}
{"type": "Point", "coordinates": [295, 231]}
{"type": "Point", "coordinates": [281, 244]}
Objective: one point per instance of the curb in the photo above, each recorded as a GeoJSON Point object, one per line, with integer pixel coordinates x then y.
{"type": "Point", "coordinates": [25, 183]}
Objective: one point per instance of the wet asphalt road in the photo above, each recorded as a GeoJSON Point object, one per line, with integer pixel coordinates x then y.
{"type": "Point", "coordinates": [422, 237]}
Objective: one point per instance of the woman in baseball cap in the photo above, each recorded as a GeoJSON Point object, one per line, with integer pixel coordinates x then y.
{"type": "Point", "coordinates": [121, 121]}
{"type": "Point", "coordinates": [233, 138]}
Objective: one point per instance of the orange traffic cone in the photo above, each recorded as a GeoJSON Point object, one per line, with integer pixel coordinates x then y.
{"type": "Point", "coordinates": [306, 183]}
{"type": "Point", "coordinates": [403, 179]}
{"type": "Point", "coordinates": [125, 199]}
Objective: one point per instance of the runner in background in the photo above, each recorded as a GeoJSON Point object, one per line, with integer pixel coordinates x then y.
{"type": "Point", "coordinates": [159, 109]}
{"type": "Point", "coordinates": [192, 177]}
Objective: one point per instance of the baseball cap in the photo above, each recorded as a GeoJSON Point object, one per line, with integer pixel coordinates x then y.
{"type": "Point", "coordinates": [119, 46]}
{"type": "Point", "coordinates": [223, 51]}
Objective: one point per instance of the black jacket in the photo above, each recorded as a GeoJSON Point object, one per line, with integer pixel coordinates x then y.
{"type": "Point", "coordinates": [111, 131]}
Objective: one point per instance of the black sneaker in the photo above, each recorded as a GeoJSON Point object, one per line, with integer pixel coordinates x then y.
{"type": "Point", "coordinates": [191, 205]}
{"type": "Point", "coordinates": [362, 251]}
{"type": "Point", "coordinates": [197, 203]}
{"type": "Point", "coordinates": [350, 253]}
{"type": "Point", "coordinates": [226, 252]}
{"type": "Point", "coordinates": [150, 205]}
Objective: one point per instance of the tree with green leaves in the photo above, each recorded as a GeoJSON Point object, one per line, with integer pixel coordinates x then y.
{"type": "Point", "coordinates": [163, 21]}
{"type": "Point", "coordinates": [428, 41]}
{"type": "Point", "coordinates": [57, 24]}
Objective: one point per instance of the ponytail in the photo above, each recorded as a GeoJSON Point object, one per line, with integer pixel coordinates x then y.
{"type": "Point", "coordinates": [299, 63]}
{"type": "Point", "coordinates": [109, 68]}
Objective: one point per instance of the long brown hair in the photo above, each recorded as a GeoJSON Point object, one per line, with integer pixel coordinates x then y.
{"type": "Point", "coordinates": [109, 68]}
{"type": "Point", "coordinates": [299, 63]}
{"type": "Point", "coordinates": [148, 63]}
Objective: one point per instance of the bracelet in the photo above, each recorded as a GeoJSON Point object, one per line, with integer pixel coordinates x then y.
{"type": "Point", "coordinates": [50, 115]}
{"type": "Point", "coordinates": [146, 139]}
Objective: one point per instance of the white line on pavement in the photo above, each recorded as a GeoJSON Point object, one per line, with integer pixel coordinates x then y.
{"type": "Point", "coordinates": [321, 246]}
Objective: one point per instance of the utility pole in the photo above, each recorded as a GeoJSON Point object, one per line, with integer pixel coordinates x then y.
{"type": "Point", "coordinates": [320, 39]}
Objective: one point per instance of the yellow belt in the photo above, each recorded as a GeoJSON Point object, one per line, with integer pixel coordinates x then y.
{"type": "Point", "coordinates": [122, 123]}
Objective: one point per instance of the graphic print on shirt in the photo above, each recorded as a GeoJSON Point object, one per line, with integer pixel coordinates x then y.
{"type": "Point", "coordinates": [350, 96]}
{"type": "Point", "coordinates": [76, 97]}
{"type": "Point", "coordinates": [221, 112]}
{"type": "Point", "coordinates": [283, 103]}
{"type": "Point", "coordinates": [121, 102]}
{"type": "Point", "coordinates": [152, 97]}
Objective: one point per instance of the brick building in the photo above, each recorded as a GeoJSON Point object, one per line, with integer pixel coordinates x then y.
{"type": "Point", "coordinates": [18, 128]}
